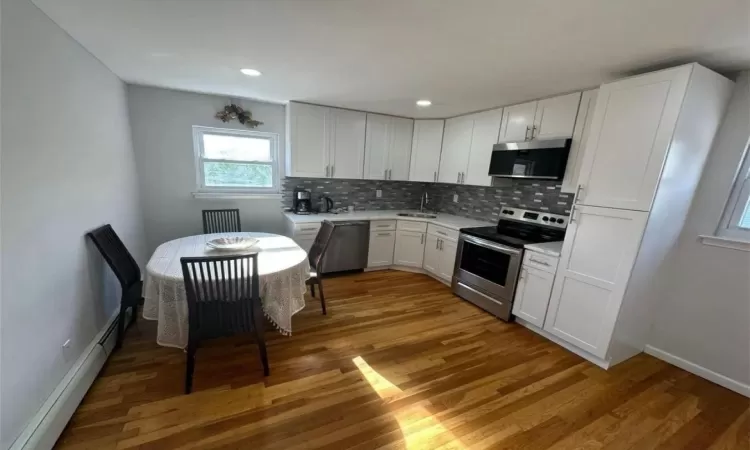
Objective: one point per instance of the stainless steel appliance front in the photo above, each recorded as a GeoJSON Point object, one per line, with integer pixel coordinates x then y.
{"type": "Point", "coordinates": [486, 274]}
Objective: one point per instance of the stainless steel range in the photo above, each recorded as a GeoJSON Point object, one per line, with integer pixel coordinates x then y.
{"type": "Point", "coordinates": [489, 258]}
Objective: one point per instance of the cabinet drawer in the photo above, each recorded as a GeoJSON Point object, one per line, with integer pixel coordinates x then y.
{"type": "Point", "coordinates": [382, 225]}
{"type": "Point", "coordinates": [540, 261]}
{"type": "Point", "coordinates": [408, 225]}
{"type": "Point", "coordinates": [305, 228]}
{"type": "Point", "coordinates": [442, 232]}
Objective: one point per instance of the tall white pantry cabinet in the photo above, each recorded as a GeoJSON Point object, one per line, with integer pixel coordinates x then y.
{"type": "Point", "coordinates": [649, 140]}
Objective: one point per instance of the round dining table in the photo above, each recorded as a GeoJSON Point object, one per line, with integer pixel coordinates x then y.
{"type": "Point", "coordinates": [282, 266]}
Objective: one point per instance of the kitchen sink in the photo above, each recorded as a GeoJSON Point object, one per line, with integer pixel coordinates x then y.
{"type": "Point", "coordinates": [420, 215]}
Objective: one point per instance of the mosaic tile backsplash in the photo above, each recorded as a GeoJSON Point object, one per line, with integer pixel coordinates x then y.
{"type": "Point", "coordinates": [477, 202]}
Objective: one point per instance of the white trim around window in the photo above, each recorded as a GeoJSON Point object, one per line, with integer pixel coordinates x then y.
{"type": "Point", "coordinates": [735, 222]}
{"type": "Point", "coordinates": [206, 191]}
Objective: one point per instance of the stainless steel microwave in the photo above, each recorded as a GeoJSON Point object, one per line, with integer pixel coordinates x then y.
{"type": "Point", "coordinates": [542, 159]}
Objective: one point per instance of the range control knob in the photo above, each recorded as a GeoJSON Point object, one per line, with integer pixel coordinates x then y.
{"type": "Point", "coordinates": [545, 218]}
{"type": "Point", "coordinates": [511, 212]}
{"type": "Point", "coordinates": [560, 221]}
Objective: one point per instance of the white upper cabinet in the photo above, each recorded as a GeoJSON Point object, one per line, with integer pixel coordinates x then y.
{"type": "Point", "coordinates": [631, 131]}
{"type": "Point", "coordinates": [598, 254]}
{"type": "Point", "coordinates": [307, 143]}
{"type": "Point", "coordinates": [517, 122]}
{"type": "Point", "coordinates": [551, 118]}
{"type": "Point", "coordinates": [555, 117]}
{"type": "Point", "coordinates": [456, 146]}
{"type": "Point", "coordinates": [399, 154]}
{"type": "Point", "coordinates": [347, 144]}
{"type": "Point", "coordinates": [387, 147]}
{"type": "Point", "coordinates": [484, 135]}
{"type": "Point", "coordinates": [425, 150]}
{"type": "Point", "coordinates": [580, 134]}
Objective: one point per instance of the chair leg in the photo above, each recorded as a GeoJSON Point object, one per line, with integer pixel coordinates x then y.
{"type": "Point", "coordinates": [260, 338]}
{"type": "Point", "coordinates": [322, 296]}
{"type": "Point", "coordinates": [121, 326]}
{"type": "Point", "coordinates": [312, 289]}
{"type": "Point", "coordinates": [134, 317]}
{"type": "Point", "coordinates": [190, 368]}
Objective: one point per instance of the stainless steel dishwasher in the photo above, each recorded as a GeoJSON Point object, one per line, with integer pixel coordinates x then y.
{"type": "Point", "coordinates": [348, 247]}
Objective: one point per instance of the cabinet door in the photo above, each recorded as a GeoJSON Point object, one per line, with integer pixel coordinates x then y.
{"type": "Point", "coordinates": [380, 252]}
{"type": "Point", "coordinates": [580, 134]}
{"type": "Point", "coordinates": [409, 249]}
{"type": "Point", "coordinates": [377, 142]}
{"type": "Point", "coordinates": [347, 144]}
{"type": "Point", "coordinates": [555, 117]}
{"type": "Point", "coordinates": [532, 295]}
{"type": "Point", "coordinates": [432, 254]}
{"type": "Point", "coordinates": [425, 150]}
{"type": "Point", "coordinates": [598, 253]}
{"type": "Point", "coordinates": [483, 137]}
{"type": "Point", "coordinates": [456, 147]}
{"type": "Point", "coordinates": [399, 152]}
{"type": "Point", "coordinates": [308, 141]}
{"type": "Point", "coordinates": [447, 259]}
{"type": "Point", "coordinates": [631, 131]}
{"type": "Point", "coordinates": [517, 122]}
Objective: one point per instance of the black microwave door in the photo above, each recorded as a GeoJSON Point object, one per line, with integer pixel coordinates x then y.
{"type": "Point", "coordinates": [536, 163]}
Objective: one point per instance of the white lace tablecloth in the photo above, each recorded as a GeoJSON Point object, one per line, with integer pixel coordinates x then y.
{"type": "Point", "coordinates": [282, 266]}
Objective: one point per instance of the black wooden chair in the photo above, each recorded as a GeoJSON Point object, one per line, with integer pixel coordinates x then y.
{"type": "Point", "coordinates": [125, 269]}
{"type": "Point", "coordinates": [221, 221]}
{"type": "Point", "coordinates": [223, 295]}
{"type": "Point", "coordinates": [315, 257]}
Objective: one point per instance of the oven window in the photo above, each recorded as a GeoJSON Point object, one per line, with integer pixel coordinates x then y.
{"type": "Point", "coordinates": [486, 263]}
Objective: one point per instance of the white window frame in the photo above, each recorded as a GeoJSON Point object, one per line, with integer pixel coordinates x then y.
{"type": "Point", "coordinates": [227, 191]}
{"type": "Point", "coordinates": [738, 200]}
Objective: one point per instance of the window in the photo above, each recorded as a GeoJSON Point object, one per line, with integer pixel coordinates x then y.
{"type": "Point", "coordinates": [236, 161]}
{"type": "Point", "coordinates": [736, 220]}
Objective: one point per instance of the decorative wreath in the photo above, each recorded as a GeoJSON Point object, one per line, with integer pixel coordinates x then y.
{"type": "Point", "coordinates": [232, 112]}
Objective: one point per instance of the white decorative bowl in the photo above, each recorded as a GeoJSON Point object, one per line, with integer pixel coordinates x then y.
{"type": "Point", "coordinates": [231, 243]}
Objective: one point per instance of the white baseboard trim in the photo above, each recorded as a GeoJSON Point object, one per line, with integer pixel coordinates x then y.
{"type": "Point", "coordinates": [45, 427]}
{"type": "Point", "coordinates": [567, 346]}
{"type": "Point", "coordinates": [701, 371]}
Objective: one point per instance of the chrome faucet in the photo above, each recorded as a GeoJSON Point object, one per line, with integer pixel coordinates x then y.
{"type": "Point", "coordinates": [424, 202]}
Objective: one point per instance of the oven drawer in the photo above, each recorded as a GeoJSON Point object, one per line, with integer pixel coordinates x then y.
{"type": "Point", "coordinates": [442, 232]}
{"type": "Point", "coordinates": [540, 261]}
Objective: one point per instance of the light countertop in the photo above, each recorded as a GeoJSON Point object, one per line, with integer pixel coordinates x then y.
{"type": "Point", "coordinates": [443, 220]}
{"type": "Point", "coordinates": [547, 248]}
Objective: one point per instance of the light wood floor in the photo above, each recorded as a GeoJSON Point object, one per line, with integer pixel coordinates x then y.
{"type": "Point", "coordinates": [399, 362]}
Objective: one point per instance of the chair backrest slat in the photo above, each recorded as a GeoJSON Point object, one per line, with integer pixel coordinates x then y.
{"type": "Point", "coordinates": [222, 293]}
{"type": "Point", "coordinates": [318, 249]}
{"type": "Point", "coordinates": [221, 221]}
{"type": "Point", "coordinates": [116, 255]}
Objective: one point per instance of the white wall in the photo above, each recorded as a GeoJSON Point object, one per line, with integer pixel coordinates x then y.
{"type": "Point", "coordinates": [67, 167]}
{"type": "Point", "coordinates": [704, 315]}
{"type": "Point", "coordinates": [162, 122]}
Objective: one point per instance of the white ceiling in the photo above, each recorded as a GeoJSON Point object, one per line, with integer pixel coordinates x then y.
{"type": "Point", "coordinates": [382, 55]}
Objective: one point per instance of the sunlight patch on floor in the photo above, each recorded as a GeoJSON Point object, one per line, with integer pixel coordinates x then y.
{"type": "Point", "coordinates": [421, 429]}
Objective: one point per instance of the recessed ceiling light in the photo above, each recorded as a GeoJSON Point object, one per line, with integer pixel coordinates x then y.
{"type": "Point", "coordinates": [424, 103]}
{"type": "Point", "coordinates": [251, 72]}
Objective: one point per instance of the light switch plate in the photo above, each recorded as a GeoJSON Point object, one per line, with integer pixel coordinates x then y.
{"type": "Point", "coordinates": [455, 198]}
{"type": "Point", "coordinates": [378, 193]}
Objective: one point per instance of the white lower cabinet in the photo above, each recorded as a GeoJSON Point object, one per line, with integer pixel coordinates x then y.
{"type": "Point", "coordinates": [380, 253]}
{"type": "Point", "coordinates": [432, 254]}
{"type": "Point", "coordinates": [440, 252]}
{"type": "Point", "coordinates": [532, 295]}
{"type": "Point", "coordinates": [447, 259]}
{"type": "Point", "coordinates": [598, 254]}
{"type": "Point", "coordinates": [409, 249]}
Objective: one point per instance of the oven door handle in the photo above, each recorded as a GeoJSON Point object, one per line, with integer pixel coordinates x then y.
{"type": "Point", "coordinates": [491, 245]}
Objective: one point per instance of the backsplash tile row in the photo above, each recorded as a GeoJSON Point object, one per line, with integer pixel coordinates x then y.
{"type": "Point", "coordinates": [358, 193]}
{"type": "Point", "coordinates": [477, 202]}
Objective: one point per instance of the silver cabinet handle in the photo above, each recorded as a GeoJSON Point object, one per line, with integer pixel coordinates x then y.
{"type": "Point", "coordinates": [381, 226]}
{"type": "Point", "coordinates": [441, 244]}
{"type": "Point", "coordinates": [526, 135]}
{"type": "Point", "coordinates": [437, 244]}
{"type": "Point", "coordinates": [326, 171]}
{"type": "Point", "coordinates": [572, 214]}
{"type": "Point", "coordinates": [539, 262]}
{"type": "Point", "coordinates": [385, 174]}
{"type": "Point", "coordinates": [421, 238]}
{"type": "Point", "coordinates": [434, 177]}
{"type": "Point", "coordinates": [384, 234]}
{"type": "Point", "coordinates": [458, 178]}
{"type": "Point", "coordinates": [333, 170]}
{"type": "Point", "coordinates": [463, 177]}
{"type": "Point", "coordinates": [390, 174]}
{"type": "Point", "coordinates": [533, 131]}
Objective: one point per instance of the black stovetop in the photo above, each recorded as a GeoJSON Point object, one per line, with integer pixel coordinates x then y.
{"type": "Point", "coordinates": [516, 234]}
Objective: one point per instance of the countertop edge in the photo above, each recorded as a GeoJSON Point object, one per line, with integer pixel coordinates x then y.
{"type": "Point", "coordinates": [446, 222]}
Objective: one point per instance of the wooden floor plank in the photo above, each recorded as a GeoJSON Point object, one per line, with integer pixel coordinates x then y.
{"type": "Point", "coordinates": [398, 363]}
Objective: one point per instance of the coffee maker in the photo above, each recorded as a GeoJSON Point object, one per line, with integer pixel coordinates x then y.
{"type": "Point", "coordinates": [302, 201]}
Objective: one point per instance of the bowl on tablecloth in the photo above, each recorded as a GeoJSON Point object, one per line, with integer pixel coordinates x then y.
{"type": "Point", "coordinates": [231, 243]}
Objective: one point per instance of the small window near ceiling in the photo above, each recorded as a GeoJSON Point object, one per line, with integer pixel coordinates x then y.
{"type": "Point", "coordinates": [736, 220]}
{"type": "Point", "coordinates": [236, 161]}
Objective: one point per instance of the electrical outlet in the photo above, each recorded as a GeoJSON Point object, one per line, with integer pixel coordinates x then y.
{"type": "Point", "coordinates": [455, 198]}
{"type": "Point", "coordinates": [378, 193]}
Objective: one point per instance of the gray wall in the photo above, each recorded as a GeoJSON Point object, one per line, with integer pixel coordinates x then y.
{"type": "Point", "coordinates": [162, 122]}
{"type": "Point", "coordinates": [67, 167]}
{"type": "Point", "coordinates": [704, 314]}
